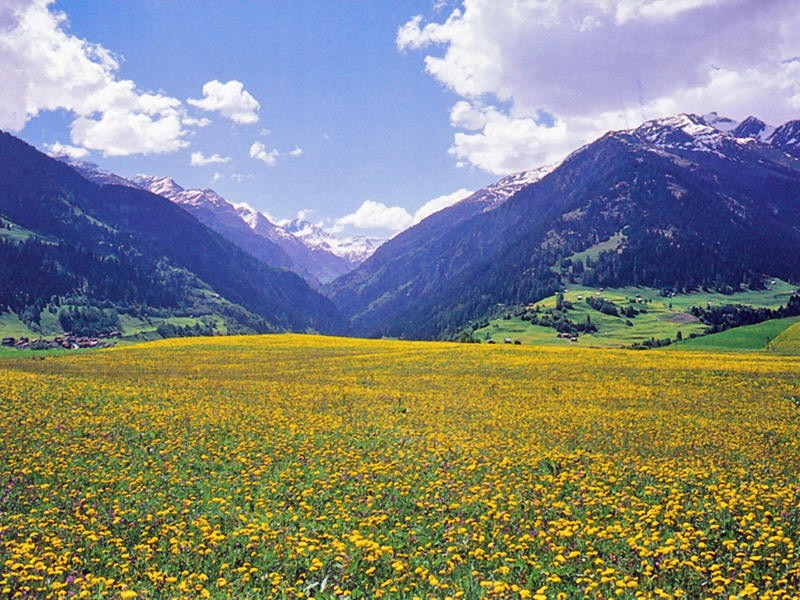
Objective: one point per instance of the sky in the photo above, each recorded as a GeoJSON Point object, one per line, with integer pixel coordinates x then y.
{"type": "Point", "coordinates": [367, 115]}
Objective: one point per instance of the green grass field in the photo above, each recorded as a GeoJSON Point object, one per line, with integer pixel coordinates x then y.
{"type": "Point", "coordinates": [665, 317]}
{"type": "Point", "coordinates": [134, 329]}
{"type": "Point", "coordinates": [762, 336]}
{"type": "Point", "coordinates": [17, 233]}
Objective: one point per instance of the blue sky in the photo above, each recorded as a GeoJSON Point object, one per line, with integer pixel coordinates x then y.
{"type": "Point", "coordinates": [329, 79]}
{"type": "Point", "coordinates": [368, 114]}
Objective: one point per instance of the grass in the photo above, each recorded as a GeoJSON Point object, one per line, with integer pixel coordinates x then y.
{"type": "Point", "coordinates": [134, 329]}
{"type": "Point", "coordinates": [788, 340]}
{"type": "Point", "coordinates": [145, 329]}
{"type": "Point", "coordinates": [665, 316]}
{"type": "Point", "coordinates": [12, 326]}
{"type": "Point", "coordinates": [761, 336]}
{"type": "Point", "coordinates": [593, 253]}
{"type": "Point", "coordinates": [16, 233]}
{"type": "Point", "coordinates": [301, 466]}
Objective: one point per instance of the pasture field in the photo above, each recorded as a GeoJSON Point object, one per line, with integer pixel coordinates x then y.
{"type": "Point", "coordinates": [664, 318]}
{"type": "Point", "coordinates": [295, 466]}
{"type": "Point", "coordinates": [761, 336]}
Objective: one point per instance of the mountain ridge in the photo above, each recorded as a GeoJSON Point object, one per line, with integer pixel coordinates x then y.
{"type": "Point", "coordinates": [296, 245]}
{"type": "Point", "coordinates": [126, 248]}
{"type": "Point", "coordinates": [687, 200]}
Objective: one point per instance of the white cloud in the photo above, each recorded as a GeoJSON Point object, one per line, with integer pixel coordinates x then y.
{"type": "Point", "coordinates": [59, 149]}
{"type": "Point", "coordinates": [259, 152]}
{"type": "Point", "coordinates": [439, 203]}
{"type": "Point", "coordinates": [377, 215]}
{"type": "Point", "coordinates": [192, 122]}
{"type": "Point", "coordinates": [44, 68]}
{"type": "Point", "coordinates": [199, 160]}
{"type": "Point", "coordinates": [230, 99]}
{"type": "Point", "coordinates": [538, 78]}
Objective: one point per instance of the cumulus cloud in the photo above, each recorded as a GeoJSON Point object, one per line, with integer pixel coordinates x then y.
{"type": "Point", "coordinates": [259, 151]}
{"type": "Point", "coordinates": [538, 78]}
{"type": "Point", "coordinates": [439, 203]}
{"type": "Point", "coordinates": [44, 68]}
{"type": "Point", "coordinates": [194, 122]}
{"type": "Point", "coordinates": [229, 99]}
{"type": "Point", "coordinates": [197, 159]}
{"type": "Point", "coordinates": [59, 149]}
{"type": "Point", "coordinates": [377, 215]}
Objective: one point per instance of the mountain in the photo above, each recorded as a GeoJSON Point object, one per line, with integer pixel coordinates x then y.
{"type": "Point", "coordinates": [753, 128]}
{"type": "Point", "coordinates": [93, 172]}
{"type": "Point", "coordinates": [216, 213]}
{"type": "Point", "coordinates": [297, 245]}
{"type": "Point", "coordinates": [324, 264]}
{"type": "Point", "coordinates": [252, 231]}
{"type": "Point", "coordinates": [66, 240]}
{"type": "Point", "coordinates": [787, 138]}
{"type": "Point", "coordinates": [678, 203]}
{"type": "Point", "coordinates": [352, 250]}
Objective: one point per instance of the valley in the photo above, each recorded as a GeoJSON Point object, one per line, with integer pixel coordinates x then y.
{"type": "Point", "coordinates": [642, 219]}
{"type": "Point", "coordinates": [428, 300]}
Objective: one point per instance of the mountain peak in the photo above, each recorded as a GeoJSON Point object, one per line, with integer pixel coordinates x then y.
{"type": "Point", "coordinates": [787, 138]}
{"type": "Point", "coordinates": [720, 122]}
{"type": "Point", "coordinates": [753, 128]}
{"type": "Point", "coordinates": [354, 250]}
{"type": "Point", "coordinates": [690, 133]}
{"type": "Point", "coordinates": [162, 186]}
{"type": "Point", "coordinates": [92, 171]}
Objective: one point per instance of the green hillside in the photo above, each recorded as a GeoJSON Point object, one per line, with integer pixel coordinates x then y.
{"type": "Point", "coordinates": [657, 317]}
{"type": "Point", "coordinates": [788, 341]}
{"type": "Point", "coordinates": [762, 336]}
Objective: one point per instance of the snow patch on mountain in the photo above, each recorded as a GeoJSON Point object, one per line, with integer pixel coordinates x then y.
{"type": "Point", "coordinates": [161, 186]}
{"type": "Point", "coordinates": [354, 249]}
{"type": "Point", "coordinates": [497, 193]}
{"type": "Point", "coordinates": [206, 199]}
{"type": "Point", "coordinates": [92, 171]}
{"type": "Point", "coordinates": [753, 128]}
{"type": "Point", "coordinates": [719, 122]}
{"type": "Point", "coordinates": [787, 138]}
{"type": "Point", "coordinates": [684, 132]}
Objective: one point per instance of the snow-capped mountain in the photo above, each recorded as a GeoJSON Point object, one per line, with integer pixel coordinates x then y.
{"type": "Point", "coordinates": [718, 135]}
{"type": "Point", "coordinates": [717, 121]}
{"type": "Point", "coordinates": [787, 138]}
{"type": "Point", "coordinates": [297, 245]}
{"type": "Point", "coordinates": [306, 249]}
{"type": "Point", "coordinates": [687, 132]}
{"type": "Point", "coordinates": [753, 128]}
{"type": "Point", "coordinates": [354, 250]}
{"type": "Point", "coordinates": [218, 214]}
{"type": "Point", "coordinates": [325, 264]}
{"type": "Point", "coordinates": [110, 243]}
{"type": "Point", "coordinates": [694, 202]}
{"type": "Point", "coordinates": [93, 172]}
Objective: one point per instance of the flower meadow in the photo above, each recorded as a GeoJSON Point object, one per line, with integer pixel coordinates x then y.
{"type": "Point", "coordinates": [296, 466]}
